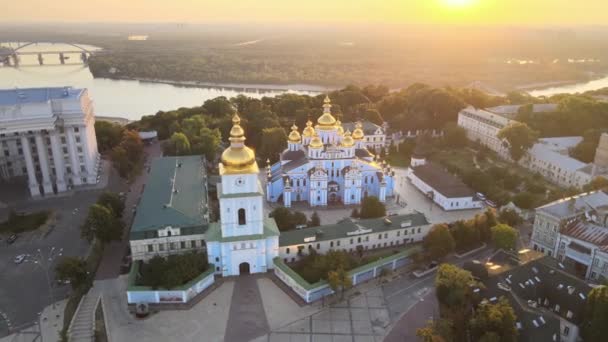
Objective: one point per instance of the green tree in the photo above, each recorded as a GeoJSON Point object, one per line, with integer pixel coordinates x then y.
{"type": "Point", "coordinates": [112, 201]}
{"type": "Point", "coordinates": [439, 242]}
{"type": "Point", "coordinates": [73, 269]}
{"type": "Point", "coordinates": [108, 135]}
{"type": "Point", "coordinates": [494, 322]}
{"type": "Point", "coordinates": [178, 145]}
{"type": "Point", "coordinates": [524, 200]}
{"type": "Point", "coordinates": [120, 161]}
{"type": "Point", "coordinates": [595, 328]}
{"type": "Point", "coordinates": [218, 107]}
{"type": "Point", "coordinates": [132, 143]}
{"type": "Point", "coordinates": [454, 136]}
{"type": "Point", "coordinates": [454, 291]}
{"type": "Point", "coordinates": [273, 142]}
{"type": "Point", "coordinates": [519, 137]}
{"type": "Point", "coordinates": [208, 143]}
{"type": "Point", "coordinates": [102, 224]}
{"type": "Point", "coordinates": [192, 126]}
{"type": "Point", "coordinates": [373, 116]}
{"type": "Point", "coordinates": [371, 207]}
{"type": "Point", "coordinates": [510, 217]}
{"type": "Point", "coordinates": [504, 236]}
{"type": "Point", "coordinates": [598, 183]}
{"type": "Point", "coordinates": [315, 221]}
{"type": "Point", "coordinates": [339, 280]}
{"type": "Point", "coordinates": [287, 219]}
{"type": "Point", "coordinates": [437, 330]}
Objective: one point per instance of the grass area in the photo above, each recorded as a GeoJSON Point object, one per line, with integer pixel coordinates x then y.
{"type": "Point", "coordinates": [314, 267]}
{"type": "Point", "coordinates": [500, 180]}
{"type": "Point", "coordinates": [18, 223]}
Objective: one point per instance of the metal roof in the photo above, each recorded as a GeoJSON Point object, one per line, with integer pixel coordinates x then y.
{"type": "Point", "coordinates": [575, 205]}
{"type": "Point", "coordinates": [11, 97]}
{"type": "Point", "coordinates": [442, 181]}
{"type": "Point", "coordinates": [175, 195]}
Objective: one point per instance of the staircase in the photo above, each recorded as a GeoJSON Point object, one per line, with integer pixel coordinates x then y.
{"type": "Point", "coordinates": [82, 327]}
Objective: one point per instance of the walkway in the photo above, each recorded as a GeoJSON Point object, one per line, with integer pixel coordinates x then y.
{"type": "Point", "coordinates": [247, 319]}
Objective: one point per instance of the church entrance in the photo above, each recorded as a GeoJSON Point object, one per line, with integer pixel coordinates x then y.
{"type": "Point", "coordinates": [333, 197]}
{"type": "Point", "coordinates": [244, 268]}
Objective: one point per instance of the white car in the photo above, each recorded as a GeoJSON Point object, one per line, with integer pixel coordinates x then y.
{"type": "Point", "coordinates": [19, 258]}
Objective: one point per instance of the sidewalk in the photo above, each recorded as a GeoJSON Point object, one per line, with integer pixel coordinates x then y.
{"type": "Point", "coordinates": [50, 324]}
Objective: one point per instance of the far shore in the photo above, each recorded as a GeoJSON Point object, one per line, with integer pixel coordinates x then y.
{"type": "Point", "coordinates": [237, 86]}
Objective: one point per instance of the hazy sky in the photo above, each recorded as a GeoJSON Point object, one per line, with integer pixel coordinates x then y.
{"type": "Point", "coordinates": [526, 12]}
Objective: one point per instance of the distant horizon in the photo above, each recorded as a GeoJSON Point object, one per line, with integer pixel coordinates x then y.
{"type": "Point", "coordinates": [528, 13]}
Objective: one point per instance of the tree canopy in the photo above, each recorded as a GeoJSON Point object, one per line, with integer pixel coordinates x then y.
{"type": "Point", "coordinates": [595, 328]}
{"type": "Point", "coordinates": [439, 242]}
{"type": "Point", "coordinates": [102, 224]}
{"type": "Point", "coordinates": [494, 322]}
{"type": "Point", "coordinates": [519, 137]}
{"type": "Point", "coordinates": [504, 236]}
{"type": "Point", "coordinates": [371, 207]}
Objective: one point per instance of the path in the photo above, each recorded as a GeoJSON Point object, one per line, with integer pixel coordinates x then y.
{"type": "Point", "coordinates": [247, 319]}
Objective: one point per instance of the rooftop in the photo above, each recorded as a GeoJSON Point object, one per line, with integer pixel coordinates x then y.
{"type": "Point", "coordinates": [587, 231]}
{"type": "Point", "coordinates": [512, 110]}
{"type": "Point", "coordinates": [350, 228]}
{"type": "Point", "coordinates": [442, 181]}
{"type": "Point", "coordinates": [175, 195]}
{"type": "Point", "coordinates": [12, 97]}
{"type": "Point", "coordinates": [575, 205]}
{"type": "Point", "coordinates": [555, 152]}
{"type": "Point", "coordinates": [369, 128]}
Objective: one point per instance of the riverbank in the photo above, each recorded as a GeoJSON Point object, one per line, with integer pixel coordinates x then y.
{"type": "Point", "coordinates": [245, 87]}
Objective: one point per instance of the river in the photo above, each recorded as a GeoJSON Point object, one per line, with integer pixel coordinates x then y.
{"type": "Point", "coordinates": [572, 88]}
{"type": "Point", "coordinates": [124, 98]}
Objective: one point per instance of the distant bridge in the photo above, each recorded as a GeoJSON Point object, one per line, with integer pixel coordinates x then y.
{"type": "Point", "coordinates": [10, 55]}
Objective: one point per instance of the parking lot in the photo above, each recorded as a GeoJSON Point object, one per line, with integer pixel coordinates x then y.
{"type": "Point", "coordinates": [24, 290]}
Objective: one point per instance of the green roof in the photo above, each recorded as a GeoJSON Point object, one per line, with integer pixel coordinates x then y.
{"type": "Point", "coordinates": [175, 195]}
{"type": "Point", "coordinates": [214, 233]}
{"type": "Point", "coordinates": [341, 230]}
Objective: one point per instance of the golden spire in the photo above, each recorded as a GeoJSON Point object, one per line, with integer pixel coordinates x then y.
{"type": "Point", "coordinates": [340, 128]}
{"type": "Point", "coordinates": [294, 136]}
{"type": "Point", "coordinates": [326, 121]}
{"type": "Point", "coordinates": [315, 142]}
{"type": "Point", "coordinates": [237, 158]}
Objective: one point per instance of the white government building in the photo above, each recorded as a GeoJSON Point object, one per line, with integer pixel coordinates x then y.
{"type": "Point", "coordinates": [48, 135]}
{"type": "Point", "coordinates": [549, 156]}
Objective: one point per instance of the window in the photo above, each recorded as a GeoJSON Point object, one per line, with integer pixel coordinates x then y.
{"type": "Point", "coordinates": [217, 269]}
{"type": "Point", "coordinates": [192, 244]}
{"type": "Point", "coordinates": [150, 248]}
{"type": "Point", "coordinates": [287, 250]}
{"type": "Point", "coordinates": [418, 230]}
{"type": "Point", "coordinates": [217, 259]}
{"type": "Point", "coordinates": [351, 241]}
{"type": "Point", "coordinates": [182, 245]}
{"type": "Point", "coordinates": [338, 243]}
{"type": "Point", "coordinates": [242, 219]}
{"type": "Point", "coordinates": [379, 236]}
{"type": "Point", "coordinates": [386, 235]}
{"type": "Point", "coordinates": [566, 331]}
{"type": "Point", "coordinates": [172, 245]}
{"type": "Point", "coordinates": [359, 240]}
{"type": "Point", "coordinates": [161, 247]}
{"type": "Point", "coordinates": [331, 244]}
{"type": "Point", "coordinates": [398, 233]}
{"type": "Point", "coordinates": [318, 246]}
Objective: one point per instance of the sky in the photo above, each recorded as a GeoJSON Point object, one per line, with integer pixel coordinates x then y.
{"type": "Point", "coordinates": [484, 12]}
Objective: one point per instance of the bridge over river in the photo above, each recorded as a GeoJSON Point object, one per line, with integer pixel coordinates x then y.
{"type": "Point", "coordinates": [11, 53]}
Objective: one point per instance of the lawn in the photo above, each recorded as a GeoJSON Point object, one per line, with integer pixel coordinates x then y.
{"type": "Point", "coordinates": [315, 267]}
{"type": "Point", "coordinates": [18, 223]}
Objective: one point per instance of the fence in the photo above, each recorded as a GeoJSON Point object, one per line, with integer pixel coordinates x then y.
{"type": "Point", "coordinates": [182, 294]}
{"type": "Point", "coordinates": [312, 292]}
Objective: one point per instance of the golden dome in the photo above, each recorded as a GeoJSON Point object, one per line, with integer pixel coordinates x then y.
{"type": "Point", "coordinates": [316, 142]}
{"type": "Point", "coordinates": [348, 140]}
{"type": "Point", "coordinates": [326, 121]}
{"type": "Point", "coordinates": [340, 128]}
{"type": "Point", "coordinates": [294, 136]}
{"type": "Point", "coordinates": [308, 131]}
{"type": "Point", "coordinates": [238, 158]}
{"type": "Point", "coordinates": [358, 132]}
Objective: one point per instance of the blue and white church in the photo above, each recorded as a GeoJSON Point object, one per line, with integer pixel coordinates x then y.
{"type": "Point", "coordinates": [325, 165]}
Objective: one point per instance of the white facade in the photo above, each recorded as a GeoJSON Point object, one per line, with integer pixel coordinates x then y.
{"type": "Point", "coordinates": [549, 156]}
{"type": "Point", "coordinates": [48, 135]}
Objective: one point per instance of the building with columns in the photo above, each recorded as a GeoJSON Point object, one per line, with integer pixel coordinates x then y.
{"type": "Point", "coordinates": [327, 164]}
{"type": "Point", "coordinates": [48, 136]}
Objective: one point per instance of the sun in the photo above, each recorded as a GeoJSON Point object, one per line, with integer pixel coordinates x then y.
{"type": "Point", "coordinates": [457, 3]}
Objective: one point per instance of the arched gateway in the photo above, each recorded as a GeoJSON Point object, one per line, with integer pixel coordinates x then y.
{"type": "Point", "coordinates": [244, 268]}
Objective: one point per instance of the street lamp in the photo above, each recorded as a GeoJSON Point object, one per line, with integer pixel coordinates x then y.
{"type": "Point", "coordinates": [45, 261]}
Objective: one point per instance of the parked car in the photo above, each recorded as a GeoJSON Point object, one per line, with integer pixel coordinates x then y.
{"type": "Point", "coordinates": [491, 204]}
{"type": "Point", "coordinates": [481, 196]}
{"type": "Point", "coordinates": [12, 238]}
{"type": "Point", "coordinates": [19, 259]}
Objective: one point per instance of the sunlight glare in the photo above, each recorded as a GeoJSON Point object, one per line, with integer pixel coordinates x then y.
{"type": "Point", "coordinates": [458, 3]}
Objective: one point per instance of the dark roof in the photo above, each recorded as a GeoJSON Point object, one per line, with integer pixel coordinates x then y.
{"type": "Point", "coordinates": [363, 153]}
{"type": "Point", "coordinates": [442, 181]}
{"type": "Point", "coordinates": [341, 230]}
{"type": "Point", "coordinates": [293, 155]}
{"type": "Point", "coordinates": [546, 282]}
{"type": "Point", "coordinates": [369, 128]}
{"type": "Point", "coordinates": [175, 195]}
{"type": "Point", "coordinates": [293, 164]}
{"type": "Point", "coordinates": [588, 232]}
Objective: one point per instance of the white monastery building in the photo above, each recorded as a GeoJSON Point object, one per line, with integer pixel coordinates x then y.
{"type": "Point", "coordinates": [443, 188]}
{"type": "Point", "coordinates": [549, 156]}
{"type": "Point", "coordinates": [327, 164]}
{"type": "Point", "coordinates": [48, 135]}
